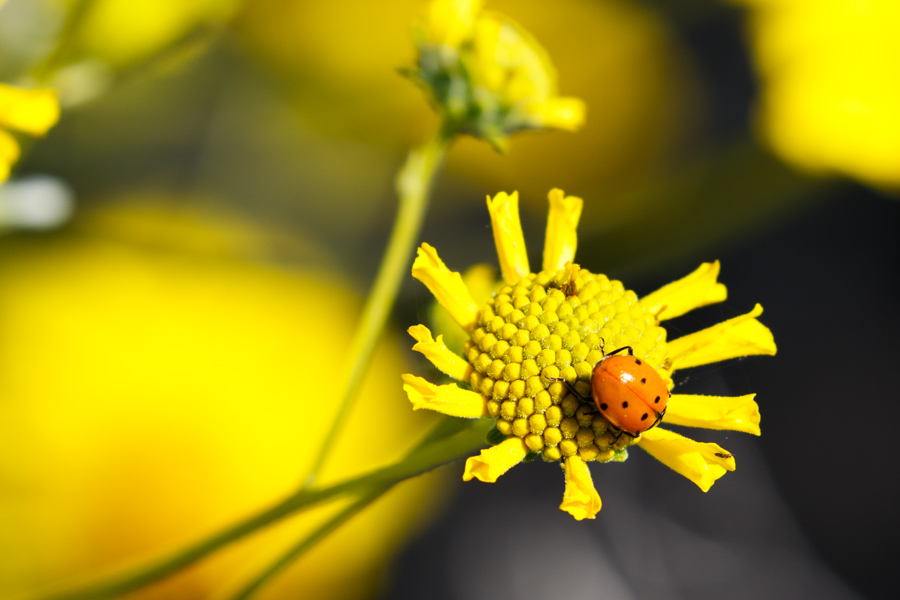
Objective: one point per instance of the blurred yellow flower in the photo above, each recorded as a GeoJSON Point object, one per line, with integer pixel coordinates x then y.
{"type": "Point", "coordinates": [158, 385]}
{"type": "Point", "coordinates": [830, 84]}
{"type": "Point", "coordinates": [123, 32]}
{"type": "Point", "coordinates": [487, 75]}
{"type": "Point", "coordinates": [336, 63]}
{"type": "Point", "coordinates": [534, 344]}
{"type": "Point", "coordinates": [32, 111]}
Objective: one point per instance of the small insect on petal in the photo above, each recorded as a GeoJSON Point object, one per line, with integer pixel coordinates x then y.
{"type": "Point", "coordinates": [702, 463]}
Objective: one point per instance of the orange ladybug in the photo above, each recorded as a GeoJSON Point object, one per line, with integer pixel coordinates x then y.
{"type": "Point", "coordinates": [628, 392]}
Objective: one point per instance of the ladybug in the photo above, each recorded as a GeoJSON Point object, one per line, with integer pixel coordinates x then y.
{"type": "Point", "coordinates": [628, 392]}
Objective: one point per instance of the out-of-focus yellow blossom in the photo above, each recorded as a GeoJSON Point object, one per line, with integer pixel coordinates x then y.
{"type": "Point", "coordinates": [533, 346]}
{"type": "Point", "coordinates": [488, 76]}
{"type": "Point", "coordinates": [830, 84]}
{"type": "Point", "coordinates": [123, 32]}
{"type": "Point", "coordinates": [158, 385]}
{"type": "Point", "coordinates": [32, 111]}
{"type": "Point", "coordinates": [337, 61]}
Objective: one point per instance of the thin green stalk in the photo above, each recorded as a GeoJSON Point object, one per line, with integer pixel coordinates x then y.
{"type": "Point", "coordinates": [297, 550]}
{"type": "Point", "coordinates": [445, 428]}
{"type": "Point", "coordinates": [66, 40]}
{"type": "Point", "coordinates": [440, 449]}
{"type": "Point", "coordinates": [414, 183]}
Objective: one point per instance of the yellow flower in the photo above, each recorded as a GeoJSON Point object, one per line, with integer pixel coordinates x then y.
{"type": "Point", "coordinates": [533, 345]}
{"type": "Point", "coordinates": [122, 32]}
{"type": "Point", "coordinates": [488, 75]}
{"type": "Point", "coordinates": [160, 382]}
{"type": "Point", "coordinates": [31, 111]}
{"type": "Point", "coordinates": [830, 88]}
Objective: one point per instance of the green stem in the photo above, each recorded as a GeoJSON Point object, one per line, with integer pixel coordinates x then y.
{"type": "Point", "coordinates": [66, 40]}
{"type": "Point", "coordinates": [434, 452]}
{"type": "Point", "coordinates": [297, 550]}
{"type": "Point", "coordinates": [447, 427]}
{"type": "Point", "coordinates": [413, 188]}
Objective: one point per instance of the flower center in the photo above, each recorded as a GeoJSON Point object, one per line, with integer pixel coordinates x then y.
{"type": "Point", "coordinates": [537, 341]}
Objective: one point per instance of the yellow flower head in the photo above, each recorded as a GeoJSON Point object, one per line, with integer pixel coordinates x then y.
{"type": "Point", "coordinates": [830, 89]}
{"type": "Point", "coordinates": [533, 346]}
{"type": "Point", "coordinates": [31, 111]}
{"type": "Point", "coordinates": [487, 75]}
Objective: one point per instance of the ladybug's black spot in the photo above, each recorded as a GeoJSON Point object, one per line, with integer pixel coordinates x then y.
{"type": "Point", "coordinates": [656, 401]}
{"type": "Point", "coordinates": [604, 406]}
{"type": "Point", "coordinates": [624, 405]}
{"type": "Point", "coordinates": [644, 417]}
{"type": "Point", "coordinates": [643, 380]}
{"type": "Point", "coordinates": [637, 361]}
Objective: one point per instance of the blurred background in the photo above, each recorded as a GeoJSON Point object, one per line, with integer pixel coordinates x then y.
{"type": "Point", "coordinates": [182, 257]}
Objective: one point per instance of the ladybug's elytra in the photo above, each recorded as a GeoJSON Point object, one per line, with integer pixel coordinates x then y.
{"type": "Point", "coordinates": [628, 392]}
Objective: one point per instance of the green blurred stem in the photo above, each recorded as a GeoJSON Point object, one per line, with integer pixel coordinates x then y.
{"type": "Point", "coordinates": [446, 428]}
{"type": "Point", "coordinates": [450, 439]}
{"type": "Point", "coordinates": [414, 183]}
{"type": "Point", "coordinates": [296, 551]}
{"type": "Point", "coordinates": [66, 40]}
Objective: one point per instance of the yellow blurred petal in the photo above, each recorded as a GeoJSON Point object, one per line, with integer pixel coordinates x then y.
{"type": "Point", "coordinates": [701, 463]}
{"type": "Point", "coordinates": [829, 90]}
{"type": "Point", "coordinates": [447, 286]}
{"type": "Point", "coordinates": [697, 289]}
{"type": "Point", "coordinates": [122, 32]}
{"type": "Point", "coordinates": [508, 237]}
{"type": "Point", "coordinates": [581, 500]}
{"type": "Point", "coordinates": [439, 355]}
{"type": "Point", "coordinates": [451, 21]}
{"type": "Point", "coordinates": [9, 153]}
{"type": "Point", "coordinates": [495, 461]}
{"type": "Point", "coordinates": [562, 224]}
{"type": "Point", "coordinates": [32, 111]}
{"type": "Point", "coordinates": [735, 413]}
{"type": "Point", "coordinates": [740, 336]}
{"type": "Point", "coordinates": [449, 399]}
{"type": "Point", "coordinates": [566, 113]}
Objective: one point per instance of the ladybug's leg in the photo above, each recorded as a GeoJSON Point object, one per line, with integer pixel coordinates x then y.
{"type": "Point", "coordinates": [621, 432]}
{"type": "Point", "coordinates": [629, 348]}
{"type": "Point", "coordinates": [570, 387]}
{"type": "Point", "coordinates": [659, 418]}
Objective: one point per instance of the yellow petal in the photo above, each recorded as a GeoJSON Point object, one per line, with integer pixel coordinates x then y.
{"type": "Point", "coordinates": [562, 225]}
{"type": "Point", "coordinates": [508, 237]}
{"type": "Point", "coordinates": [449, 399]}
{"type": "Point", "coordinates": [495, 461]}
{"type": "Point", "coordinates": [447, 286]}
{"type": "Point", "coordinates": [438, 353]}
{"type": "Point", "coordinates": [740, 336]}
{"type": "Point", "coordinates": [735, 413]}
{"type": "Point", "coordinates": [450, 21]}
{"type": "Point", "coordinates": [32, 111]}
{"type": "Point", "coordinates": [697, 289]}
{"type": "Point", "coordinates": [701, 463]}
{"type": "Point", "coordinates": [9, 153]}
{"type": "Point", "coordinates": [563, 113]}
{"type": "Point", "coordinates": [581, 500]}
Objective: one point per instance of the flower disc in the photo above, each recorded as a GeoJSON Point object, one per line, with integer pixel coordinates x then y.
{"type": "Point", "coordinates": [537, 341]}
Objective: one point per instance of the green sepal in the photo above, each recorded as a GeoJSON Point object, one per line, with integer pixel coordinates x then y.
{"type": "Point", "coordinates": [620, 455]}
{"type": "Point", "coordinates": [494, 436]}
